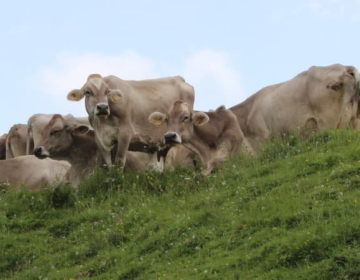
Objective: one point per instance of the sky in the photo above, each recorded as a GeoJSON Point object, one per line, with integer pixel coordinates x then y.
{"type": "Point", "coordinates": [227, 50]}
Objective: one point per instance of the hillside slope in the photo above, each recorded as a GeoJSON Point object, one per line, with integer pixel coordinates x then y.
{"type": "Point", "coordinates": [291, 213]}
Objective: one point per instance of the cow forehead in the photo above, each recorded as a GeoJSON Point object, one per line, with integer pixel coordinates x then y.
{"type": "Point", "coordinates": [41, 121]}
{"type": "Point", "coordinates": [56, 122]}
{"type": "Point", "coordinates": [333, 73]}
{"type": "Point", "coordinates": [179, 108]}
{"type": "Point", "coordinates": [96, 82]}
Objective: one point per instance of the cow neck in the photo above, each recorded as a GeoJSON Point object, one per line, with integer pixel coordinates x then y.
{"type": "Point", "coordinates": [84, 156]}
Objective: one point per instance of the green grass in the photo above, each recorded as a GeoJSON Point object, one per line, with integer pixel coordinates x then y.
{"type": "Point", "coordinates": [291, 213]}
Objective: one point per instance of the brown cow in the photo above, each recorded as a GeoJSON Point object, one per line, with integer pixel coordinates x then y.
{"type": "Point", "coordinates": [321, 97]}
{"type": "Point", "coordinates": [16, 141]}
{"type": "Point", "coordinates": [213, 136]}
{"type": "Point", "coordinates": [118, 111]}
{"type": "Point", "coordinates": [32, 172]}
{"type": "Point", "coordinates": [3, 146]}
{"type": "Point", "coordinates": [64, 138]}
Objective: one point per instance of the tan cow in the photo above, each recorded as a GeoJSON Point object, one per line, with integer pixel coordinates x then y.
{"type": "Point", "coordinates": [3, 146]}
{"type": "Point", "coordinates": [321, 97]}
{"type": "Point", "coordinates": [65, 138]}
{"type": "Point", "coordinates": [213, 136]}
{"type": "Point", "coordinates": [33, 173]}
{"type": "Point", "coordinates": [118, 111]}
{"type": "Point", "coordinates": [16, 141]}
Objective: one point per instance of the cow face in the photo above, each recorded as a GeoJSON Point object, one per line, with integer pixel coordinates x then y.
{"type": "Point", "coordinates": [180, 122]}
{"type": "Point", "coordinates": [343, 80]}
{"type": "Point", "coordinates": [54, 138]}
{"type": "Point", "coordinates": [97, 96]}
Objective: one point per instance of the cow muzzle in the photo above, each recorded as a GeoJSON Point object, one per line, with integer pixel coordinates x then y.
{"type": "Point", "coordinates": [172, 138]}
{"type": "Point", "coordinates": [40, 152]}
{"type": "Point", "coordinates": [102, 110]}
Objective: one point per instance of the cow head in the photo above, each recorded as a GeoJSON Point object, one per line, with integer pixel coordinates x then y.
{"type": "Point", "coordinates": [180, 122]}
{"type": "Point", "coordinates": [344, 80]}
{"type": "Point", "coordinates": [98, 95]}
{"type": "Point", "coordinates": [53, 138]}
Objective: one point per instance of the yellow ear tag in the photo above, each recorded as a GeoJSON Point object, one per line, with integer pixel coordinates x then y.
{"type": "Point", "coordinates": [116, 97]}
{"type": "Point", "coordinates": [159, 122]}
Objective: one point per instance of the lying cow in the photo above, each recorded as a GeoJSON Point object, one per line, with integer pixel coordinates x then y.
{"type": "Point", "coordinates": [16, 141]}
{"type": "Point", "coordinates": [33, 173]}
{"type": "Point", "coordinates": [65, 138]}
{"type": "Point", "coordinates": [321, 97]}
{"type": "Point", "coordinates": [118, 111]}
{"type": "Point", "coordinates": [213, 136]}
{"type": "Point", "coordinates": [3, 146]}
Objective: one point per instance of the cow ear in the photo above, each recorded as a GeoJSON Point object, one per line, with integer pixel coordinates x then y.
{"type": "Point", "coordinates": [157, 118]}
{"type": "Point", "coordinates": [200, 118]}
{"type": "Point", "coordinates": [116, 94]}
{"type": "Point", "coordinates": [75, 95]}
{"type": "Point", "coordinates": [80, 130]}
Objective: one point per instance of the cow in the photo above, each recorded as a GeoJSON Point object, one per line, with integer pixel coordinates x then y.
{"type": "Point", "coordinates": [321, 97]}
{"type": "Point", "coordinates": [65, 138]}
{"type": "Point", "coordinates": [33, 173]}
{"type": "Point", "coordinates": [3, 146]}
{"type": "Point", "coordinates": [118, 111]}
{"type": "Point", "coordinates": [213, 136]}
{"type": "Point", "coordinates": [16, 141]}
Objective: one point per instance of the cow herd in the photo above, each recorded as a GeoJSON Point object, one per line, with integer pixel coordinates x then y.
{"type": "Point", "coordinates": [152, 124]}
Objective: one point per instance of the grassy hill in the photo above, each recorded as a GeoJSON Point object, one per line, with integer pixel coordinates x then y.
{"type": "Point", "coordinates": [291, 213]}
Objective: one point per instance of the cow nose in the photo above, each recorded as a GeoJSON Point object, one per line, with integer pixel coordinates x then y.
{"type": "Point", "coordinates": [102, 107]}
{"type": "Point", "coordinates": [170, 137]}
{"type": "Point", "coordinates": [37, 151]}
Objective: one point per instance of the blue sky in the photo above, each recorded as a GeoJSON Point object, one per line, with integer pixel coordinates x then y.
{"type": "Point", "coordinates": [227, 50]}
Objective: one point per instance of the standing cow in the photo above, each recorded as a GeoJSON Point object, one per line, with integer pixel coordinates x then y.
{"type": "Point", "coordinates": [213, 136]}
{"type": "Point", "coordinates": [118, 111]}
{"type": "Point", "coordinates": [321, 97]}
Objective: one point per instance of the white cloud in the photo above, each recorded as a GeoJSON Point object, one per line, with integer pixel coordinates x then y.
{"type": "Point", "coordinates": [215, 80]}
{"type": "Point", "coordinates": [71, 70]}
{"type": "Point", "coordinates": [335, 9]}
{"type": "Point", "coordinates": [212, 71]}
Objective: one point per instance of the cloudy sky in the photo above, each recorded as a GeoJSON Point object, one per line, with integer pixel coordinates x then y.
{"type": "Point", "coordinates": [227, 50]}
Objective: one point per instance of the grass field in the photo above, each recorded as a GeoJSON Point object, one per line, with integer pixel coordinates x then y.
{"type": "Point", "coordinates": [290, 213]}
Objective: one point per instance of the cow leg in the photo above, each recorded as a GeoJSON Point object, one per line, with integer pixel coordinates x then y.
{"type": "Point", "coordinates": [219, 156]}
{"type": "Point", "coordinates": [122, 148]}
{"type": "Point", "coordinates": [201, 151]}
{"type": "Point", "coordinates": [246, 148]}
{"type": "Point", "coordinates": [212, 164]}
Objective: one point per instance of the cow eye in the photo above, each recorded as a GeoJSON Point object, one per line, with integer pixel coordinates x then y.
{"type": "Point", "coordinates": [87, 92]}
{"type": "Point", "coordinates": [352, 74]}
{"type": "Point", "coordinates": [56, 132]}
{"type": "Point", "coordinates": [107, 91]}
{"type": "Point", "coordinates": [186, 118]}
